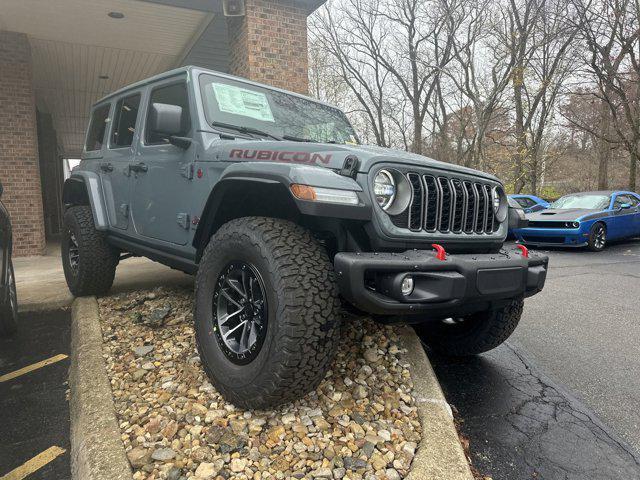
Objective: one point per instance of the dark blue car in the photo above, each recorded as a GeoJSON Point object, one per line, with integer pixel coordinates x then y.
{"type": "Point", "coordinates": [584, 219]}
{"type": "Point", "coordinates": [530, 203]}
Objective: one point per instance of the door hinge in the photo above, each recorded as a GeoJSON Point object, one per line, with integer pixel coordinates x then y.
{"type": "Point", "coordinates": [187, 171]}
{"type": "Point", "coordinates": [124, 210]}
{"type": "Point", "coordinates": [183, 220]}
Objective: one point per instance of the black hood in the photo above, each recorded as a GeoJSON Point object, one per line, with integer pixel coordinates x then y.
{"type": "Point", "coordinates": [559, 214]}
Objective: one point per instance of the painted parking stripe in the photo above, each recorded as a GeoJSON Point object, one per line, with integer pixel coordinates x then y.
{"type": "Point", "coordinates": [36, 463]}
{"type": "Point", "coordinates": [32, 367]}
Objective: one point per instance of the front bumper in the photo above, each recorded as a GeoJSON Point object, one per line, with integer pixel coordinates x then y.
{"type": "Point", "coordinates": [458, 285]}
{"type": "Point", "coordinates": [559, 237]}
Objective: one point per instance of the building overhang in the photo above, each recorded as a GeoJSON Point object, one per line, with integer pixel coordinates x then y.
{"type": "Point", "coordinates": [84, 49]}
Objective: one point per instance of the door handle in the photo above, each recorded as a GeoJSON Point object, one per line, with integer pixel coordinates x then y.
{"type": "Point", "coordinates": [106, 167]}
{"type": "Point", "coordinates": [138, 167]}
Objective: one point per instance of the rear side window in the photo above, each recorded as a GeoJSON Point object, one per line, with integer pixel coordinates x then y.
{"type": "Point", "coordinates": [174, 94]}
{"type": "Point", "coordinates": [97, 128]}
{"type": "Point", "coordinates": [622, 199]}
{"type": "Point", "coordinates": [124, 121]}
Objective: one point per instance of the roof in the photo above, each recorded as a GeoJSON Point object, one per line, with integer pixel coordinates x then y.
{"type": "Point", "coordinates": [190, 68]}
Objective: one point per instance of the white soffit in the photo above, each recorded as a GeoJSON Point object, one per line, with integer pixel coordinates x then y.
{"type": "Point", "coordinates": [75, 42]}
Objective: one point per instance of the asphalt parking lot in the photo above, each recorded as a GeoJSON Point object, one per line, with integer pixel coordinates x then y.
{"type": "Point", "coordinates": [562, 398]}
{"type": "Point", "coordinates": [35, 412]}
{"type": "Point", "coordinates": [583, 330]}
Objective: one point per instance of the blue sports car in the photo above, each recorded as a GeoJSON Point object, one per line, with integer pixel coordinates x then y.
{"type": "Point", "coordinates": [584, 219]}
{"type": "Point", "coordinates": [530, 203]}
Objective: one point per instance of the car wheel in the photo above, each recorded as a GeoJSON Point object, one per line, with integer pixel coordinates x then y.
{"type": "Point", "coordinates": [9, 307]}
{"type": "Point", "coordinates": [267, 312]}
{"type": "Point", "coordinates": [88, 261]}
{"type": "Point", "coordinates": [472, 334]}
{"type": "Point", "coordinates": [597, 237]}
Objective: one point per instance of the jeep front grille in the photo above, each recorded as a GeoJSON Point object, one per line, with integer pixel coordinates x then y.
{"type": "Point", "coordinates": [443, 204]}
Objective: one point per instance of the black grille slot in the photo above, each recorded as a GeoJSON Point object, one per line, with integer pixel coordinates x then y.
{"type": "Point", "coordinates": [459, 207]}
{"type": "Point", "coordinates": [472, 204]}
{"type": "Point", "coordinates": [482, 208]}
{"type": "Point", "coordinates": [433, 204]}
{"type": "Point", "coordinates": [445, 213]}
{"type": "Point", "coordinates": [417, 202]}
{"type": "Point", "coordinates": [445, 204]}
{"type": "Point", "coordinates": [490, 216]}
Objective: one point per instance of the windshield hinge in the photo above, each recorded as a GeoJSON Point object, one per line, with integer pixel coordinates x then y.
{"type": "Point", "coordinates": [350, 166]}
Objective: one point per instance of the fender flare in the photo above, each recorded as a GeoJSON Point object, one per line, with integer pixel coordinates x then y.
{"type": "Point", "coordinates": [275, 179]}
{"type": "Point", "coordinates": [84, 188]}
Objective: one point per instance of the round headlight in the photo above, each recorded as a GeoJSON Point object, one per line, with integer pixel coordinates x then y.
{"type": "Point", "coordinates": [384, 189]}
{"type": "Point", "coordinates": [500, 203]}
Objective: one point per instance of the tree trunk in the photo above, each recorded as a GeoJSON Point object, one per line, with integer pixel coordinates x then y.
{"type": "Point", "coordinates": [633, 166]}
{"type": "Point", "coordinates": [604, 148]}
{"type": "Point", "coordinates": [521, 143]}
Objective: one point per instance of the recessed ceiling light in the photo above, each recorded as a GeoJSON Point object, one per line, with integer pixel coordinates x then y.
{"type": "Point", "coordinates": [116, 14]}
{"type": "Point", "coordinates": [103, 77]}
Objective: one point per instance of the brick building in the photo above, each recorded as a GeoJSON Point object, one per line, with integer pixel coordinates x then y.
{"type": "Point", "coordinates": [57, 58]}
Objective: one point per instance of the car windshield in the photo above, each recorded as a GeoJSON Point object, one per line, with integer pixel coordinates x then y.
{"type": "Point", "coordinates": [590, 202]}
{"type": "Point", "coordinates": [247, 108]}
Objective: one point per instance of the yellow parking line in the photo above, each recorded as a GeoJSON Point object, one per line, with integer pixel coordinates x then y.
{"type": "Point", "coordinates": [31, 368]}
{"type": "Point", "coordinates": [36, 463]}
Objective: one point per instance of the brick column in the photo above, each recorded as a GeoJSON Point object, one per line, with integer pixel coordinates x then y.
{"type": "Point", "coordinates": [18, 145]}
{"type": "Point", "coordinates": [269, 44]}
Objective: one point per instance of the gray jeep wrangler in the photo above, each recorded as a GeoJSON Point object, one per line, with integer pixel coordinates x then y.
{"type": "Point", "coordinates": [287, 222]}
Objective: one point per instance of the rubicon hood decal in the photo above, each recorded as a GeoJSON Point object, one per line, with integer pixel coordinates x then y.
{"type": "Point", "coordinates": [328, 155]}
{"type": "Point", "coordinates": [308, 158]}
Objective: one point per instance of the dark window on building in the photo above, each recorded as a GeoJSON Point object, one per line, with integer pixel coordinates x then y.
{"type": "Point", "coordinates": [174, 94]}
{"type": "Point", "coordinates": [124, 122]}
{"type": "Point", "coordinates": [97, 127]}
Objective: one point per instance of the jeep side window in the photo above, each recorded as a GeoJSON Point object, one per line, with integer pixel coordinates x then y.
{"type": "Point", "coordinates": [124, 122]}
{"type": "Point", "coordinates": [97, 128]}
{"type": "Point", "coordinates": [174, 94]}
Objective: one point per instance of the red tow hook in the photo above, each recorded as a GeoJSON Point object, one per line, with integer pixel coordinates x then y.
{"type": "Point", "coordinates": [524, 250]}
{"type": "Point", "coordinates": [441, 254]}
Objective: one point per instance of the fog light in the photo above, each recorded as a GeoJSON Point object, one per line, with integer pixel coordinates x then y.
{"type": "Point", "coordinates": [407, 285]}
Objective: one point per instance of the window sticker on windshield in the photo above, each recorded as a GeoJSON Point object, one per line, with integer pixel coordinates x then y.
{"type": "Point", "coordinates": [240, 101]}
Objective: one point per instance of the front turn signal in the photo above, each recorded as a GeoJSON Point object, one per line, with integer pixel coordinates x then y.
{"type": "Point", "coordinates": [326, 195]}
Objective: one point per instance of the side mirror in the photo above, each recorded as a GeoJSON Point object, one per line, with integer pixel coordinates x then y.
{"type": "Point", "coordinates": [165, 119]}
{"type": "Point", "coordinates": [625, 206]}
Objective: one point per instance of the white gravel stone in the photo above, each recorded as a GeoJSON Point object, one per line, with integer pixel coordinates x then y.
{"type": "Point", "coordinates": [175, 425]}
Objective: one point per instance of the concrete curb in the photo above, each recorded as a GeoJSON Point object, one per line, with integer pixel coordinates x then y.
{"type": "Point", "coordinates": [97, 453]}
{"type": "Point", "coordinates": [440, 455]}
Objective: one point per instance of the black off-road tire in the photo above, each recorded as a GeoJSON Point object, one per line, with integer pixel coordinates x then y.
{"type": "Point", "coordinates": [474, 334]}
{"type": "Point", "coordinates": [595, 242]}
{"type": "Point", "coordinates": [303, 312]}
{"type": "Point", "coordinates": [9, 307]}
{"type": "Point", "coordinates": [96, 259]}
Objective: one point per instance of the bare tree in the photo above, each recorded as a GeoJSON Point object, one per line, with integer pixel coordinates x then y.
{"type": "Point", "coordinates": [482, 70]}
{"type": "Point", "coordinates": [611, 32]}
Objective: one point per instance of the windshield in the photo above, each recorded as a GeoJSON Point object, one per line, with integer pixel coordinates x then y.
{"type": "Point", "coordinates": [590, 202]}
{"type": "Point", "coordinates": [235, 103]}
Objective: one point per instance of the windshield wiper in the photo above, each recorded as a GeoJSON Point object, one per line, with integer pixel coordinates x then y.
{"type": "Point", "coordinates": [296, 139]}
{"type": "Point", "coordinates": [301, 139]}
{"type": "Point", "coordinates": [241, 129]}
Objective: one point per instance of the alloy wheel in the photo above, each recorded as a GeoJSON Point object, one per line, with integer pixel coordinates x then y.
{"type": "Point", "coordinates": [600, 237]}
{"type": "Point", "coordinates": [74, 252]}
{"type": "Point", "coordinates": [13, 295]}
{"type": "Point", "coordinates": [240, 312]}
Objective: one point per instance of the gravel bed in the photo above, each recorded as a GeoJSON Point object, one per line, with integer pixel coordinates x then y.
{"type": "Point", "coordinates": [360, 423]}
